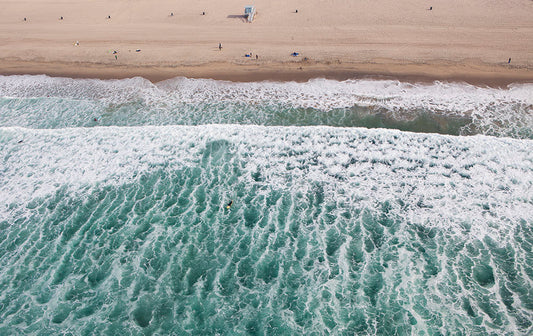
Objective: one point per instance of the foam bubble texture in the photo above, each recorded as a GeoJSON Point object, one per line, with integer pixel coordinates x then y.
{"type": "Point", "coordinates": [452, 108]}
{"type": "Point", "coordinates": [344, 231]}
{"type": "Point", "coordinates": [484, 169]}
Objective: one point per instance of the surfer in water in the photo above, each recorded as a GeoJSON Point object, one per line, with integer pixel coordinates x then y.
{"type": "Point", "coordinates": [229, 204]}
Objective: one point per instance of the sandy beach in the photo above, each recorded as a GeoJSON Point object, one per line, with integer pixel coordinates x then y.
{"type": "Point", "coordinates": [334, 39]}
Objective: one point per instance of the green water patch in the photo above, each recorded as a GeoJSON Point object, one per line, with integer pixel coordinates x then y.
{"type": "Point", "coordinates": [163, 254]}
{"type": "Point", "coordinates": [412, 121]}
{"type": "Point", "coordinates": [188, 276]}
{"type": "Point", "coordinates": [50, 112]}
{"type": "Point", "coordinates": [357, 116]}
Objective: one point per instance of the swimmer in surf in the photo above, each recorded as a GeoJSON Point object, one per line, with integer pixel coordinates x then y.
{"type": "Point", "coordinates": [229, 204]}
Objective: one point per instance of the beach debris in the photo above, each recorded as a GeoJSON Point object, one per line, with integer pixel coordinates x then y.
{"type": "Point", "coordinates": [77, 44]}
{"type": "Point", "coordinates": [138, 50]}
{"type": "Point", "coordinates": [203, 13]}
{"type": "Point", "coordinates": [61, 18]}
{"type": "Point", "coordinates": [296, 11]}
{"type": "Point", "coordinates": [171, 14]}
{"type": "Point", "coordinates": [294, 54]}
{"type": "Point", "coordinates": [109, 16]}
{"type": "Point", "coordinates": [24, 19]}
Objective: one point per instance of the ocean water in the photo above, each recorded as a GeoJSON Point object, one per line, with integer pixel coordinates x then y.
{"type": "Point", "coordinates": [359, 207]}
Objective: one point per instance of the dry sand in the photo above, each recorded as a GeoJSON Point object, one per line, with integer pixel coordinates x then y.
{"type": "Point", "coordinates": [457, 40]}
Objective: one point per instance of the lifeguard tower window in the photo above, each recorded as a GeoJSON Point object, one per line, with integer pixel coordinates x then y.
{"type": "Point", "coordinates": [249, 12]}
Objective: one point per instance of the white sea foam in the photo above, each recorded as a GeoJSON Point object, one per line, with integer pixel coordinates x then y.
{"type": "Point", "coordinates": [443, 180]}
{"type": "Point", "coordinates": [329, 94]}
{"type": "Point", "coordinates": [28, 86]}
{"type": "Point", "coordinates": [491, 109]}
{"type": "Point", "coordinates": [378, 223]}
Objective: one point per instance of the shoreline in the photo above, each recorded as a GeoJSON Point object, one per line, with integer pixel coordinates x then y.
{"type": "Point", "coordinates": [478, 74]}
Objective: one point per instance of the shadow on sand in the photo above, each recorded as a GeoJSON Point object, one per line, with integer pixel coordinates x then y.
{"type": "Point", "coordinates": [242, 17]}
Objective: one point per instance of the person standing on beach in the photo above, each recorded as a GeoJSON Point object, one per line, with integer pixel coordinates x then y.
{"type": "Point", "coordinates": [509, 61]}
{"type": "Point", "coordinates": [220, 46]}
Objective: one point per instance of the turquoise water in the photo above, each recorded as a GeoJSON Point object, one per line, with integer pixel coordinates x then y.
{"type": "Point", "coordinates": [113, 217]}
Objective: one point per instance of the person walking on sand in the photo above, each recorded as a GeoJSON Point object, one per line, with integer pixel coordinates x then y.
{"type": "Point", "coordinates": [220, 46]}
{"type": "Point", "coordinates": [509, 61]}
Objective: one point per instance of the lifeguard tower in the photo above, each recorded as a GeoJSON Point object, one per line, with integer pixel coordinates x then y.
{"type": "Point", "coordinates": [249, 12]}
